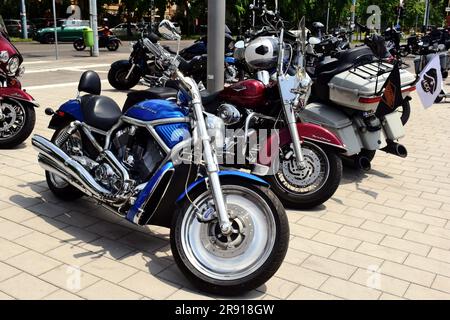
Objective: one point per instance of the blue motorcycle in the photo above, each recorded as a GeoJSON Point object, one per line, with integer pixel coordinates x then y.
{"type": "Point", "coordinates": [157, 164]}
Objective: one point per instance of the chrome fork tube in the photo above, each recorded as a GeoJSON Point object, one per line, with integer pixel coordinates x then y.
{"type": "Point", "coordinates": [292, 125]}
{"type": "Point", "coordinates": [213, 169]}
{"type": "Point", "coordinates": [130, 72]}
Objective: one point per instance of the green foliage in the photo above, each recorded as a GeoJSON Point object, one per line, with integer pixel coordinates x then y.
{"type": "Point", "coordinates": [291, 10]}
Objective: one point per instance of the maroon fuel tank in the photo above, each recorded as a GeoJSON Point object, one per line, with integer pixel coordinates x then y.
{"type": "Point", "coordinates": [248, 94]}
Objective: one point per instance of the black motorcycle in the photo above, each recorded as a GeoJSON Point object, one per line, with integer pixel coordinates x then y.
{"type": "Point", "coordinates": [125, 74]}
{"type": "Point", "coordinates": [110, 42]}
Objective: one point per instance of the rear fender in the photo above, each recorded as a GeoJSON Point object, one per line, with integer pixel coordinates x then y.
{"type": "Point", "coordinates": [69, 111]}
{"type": "Point", "coordinates": [226, 175]}
{"type": "Point", "coordinates": [307, 132]}
{"type": "Point", "coordinates": [19, 95]}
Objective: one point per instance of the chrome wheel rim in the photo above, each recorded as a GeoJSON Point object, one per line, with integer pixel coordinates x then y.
{"type": "Point", "coordinates": [239, 254]}
{"type": "Point", "coordinates": [312, 178]}
{"type": "Point", "coordinates": [12, 120]}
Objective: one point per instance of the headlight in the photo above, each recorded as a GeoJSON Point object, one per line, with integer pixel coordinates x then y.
{"type": "Point", "coordinates": [4, 56]}
{"type": "Point", "coordinates": [13, 65]}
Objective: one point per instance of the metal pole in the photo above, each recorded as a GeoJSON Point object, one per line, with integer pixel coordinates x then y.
{"type": "Point", "coordinates": [56, 34]}
{"type": "Point", "coordinates": [216, 45]}
{"type": "Point", "coordinates": [328, 17]}
{"type": "Point", "coordinates": [352, 25]}
{"type": "Point", "coordinates": [427, 14]}
{"type": "Point", "coordinates": [23, 15]}
{"type": "Point", "coordinates": [94, 27]}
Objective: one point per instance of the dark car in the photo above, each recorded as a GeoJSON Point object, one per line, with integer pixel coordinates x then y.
{"type": "Point", "coordinates": [3, 26]}
{"type": "Point", "coordinates": [42, 22]}
{"type": "Point", "coordinates": [14, 27]}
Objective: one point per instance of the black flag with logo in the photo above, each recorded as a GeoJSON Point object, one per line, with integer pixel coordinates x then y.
{"type": "Point", "coordinates": [392, 96]}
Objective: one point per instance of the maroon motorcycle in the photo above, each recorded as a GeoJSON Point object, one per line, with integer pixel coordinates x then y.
{"type": "Point", "coordinates": [300, 160]}
{"type": "Point", "coordinates": [17, 114]}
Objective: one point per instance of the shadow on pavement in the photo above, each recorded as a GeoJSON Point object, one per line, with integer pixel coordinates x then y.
{"type": "Point", "coordinates": [155, 261]}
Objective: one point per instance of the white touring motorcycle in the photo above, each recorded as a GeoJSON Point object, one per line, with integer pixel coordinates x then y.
{"type": "Point", "coordinates": [346, 93]}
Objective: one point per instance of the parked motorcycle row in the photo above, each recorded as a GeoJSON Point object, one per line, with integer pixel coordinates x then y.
{"type": "Point", "coordinates": [229, 232]}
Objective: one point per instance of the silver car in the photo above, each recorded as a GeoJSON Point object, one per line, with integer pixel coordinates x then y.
{"type": "Point", "coordinates": [121, 30]}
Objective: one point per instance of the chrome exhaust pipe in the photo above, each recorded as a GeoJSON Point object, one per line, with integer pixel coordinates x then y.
{"type": "Point", "coordinates": [363, 163]}
{"type": "Point", "coordinates": [396, 149]}
{"type": "Point", "coordinates": [55, 160]}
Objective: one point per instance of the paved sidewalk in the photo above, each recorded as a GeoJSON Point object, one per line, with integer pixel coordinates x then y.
{"type": "Point", "coordinates": [384, 235]}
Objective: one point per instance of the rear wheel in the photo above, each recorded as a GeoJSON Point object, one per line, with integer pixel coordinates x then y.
{"type": "Point", "coordinates": [241, 261]}
{"type": "Point", "coordinates": [79, 45]}
{"type": "Point", "coordinates": [309, 187]}
{"type": "Point", "coordinates": [60, 187]}
{"type": "Point", "coordinates": [112, 45]}
{"type": "Point", "coordinates": [440, 97]}
{"type": "Point", "coordinates": [16, 123]}
{"type": "Point", "coordinates": [117, 76]}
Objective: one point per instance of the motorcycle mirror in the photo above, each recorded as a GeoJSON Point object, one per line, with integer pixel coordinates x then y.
{"type": "Point", "coordinates": [314, 41]}
{"type": "Point", "coordinates": [239, 44]}
{"type": "Point", "coordinates": [168, 31]}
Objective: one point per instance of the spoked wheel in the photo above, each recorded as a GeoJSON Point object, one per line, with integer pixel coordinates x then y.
{"type": "Point", "coordinates": [307, 187]}
{"type": "Point", "coordinates": [112, 45]}
{"type": "Point", "coordinates": [60, 187]}
{"type": "Point", "coordinates": [16, 123]}
{"type": "Point", "coordinates": [238, 262]}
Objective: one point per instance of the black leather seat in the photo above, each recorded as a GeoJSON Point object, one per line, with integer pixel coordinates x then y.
{"type": "Point", "coordinates": [100, 112]}
{"type": "Point", "coordinates": [344, 61]}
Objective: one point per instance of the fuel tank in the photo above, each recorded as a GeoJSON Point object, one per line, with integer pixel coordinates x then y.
{"type": "Point", "coordinates": [156, 109]}
{"type": "Point", "coordinates": [248, 94]}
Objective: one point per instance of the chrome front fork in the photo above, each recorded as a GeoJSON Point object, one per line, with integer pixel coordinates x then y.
{"type": "Point", "coordinates": [292, 125]}
{"type": "Point", "coordinates": [213, 171]}
{"type": "Point", "coordinates": [131, 71]}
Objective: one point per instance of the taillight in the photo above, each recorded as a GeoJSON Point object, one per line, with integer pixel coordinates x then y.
{"type": "Point", "coordinates": [369, 100]}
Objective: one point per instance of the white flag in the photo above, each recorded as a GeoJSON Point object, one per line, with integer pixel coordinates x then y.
{"type": "Point", "coordinates": [430, 82]}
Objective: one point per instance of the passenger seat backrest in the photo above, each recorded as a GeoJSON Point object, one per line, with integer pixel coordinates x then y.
{"type": "Point", "coordinates": [90, 83]}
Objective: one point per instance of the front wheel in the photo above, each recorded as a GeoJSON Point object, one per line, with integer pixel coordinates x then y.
{"type": "Point", "coordinates": [16, 123]}
{"type": "Point", "coordinates": [117, 76]}
{"type": "Point", "coordinates": [311, 186]}
{"type": "Point", "coordinates": [241, 261]}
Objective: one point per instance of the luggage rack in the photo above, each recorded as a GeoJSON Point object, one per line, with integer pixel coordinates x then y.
{"type": "Point", "coordinates": [372, 70]}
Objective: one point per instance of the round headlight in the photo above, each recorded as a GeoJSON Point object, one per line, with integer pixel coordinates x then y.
{"type": "Point", "coordinates": [4, 56]}
{"type": "Point", "coordinates": [13, 65]}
